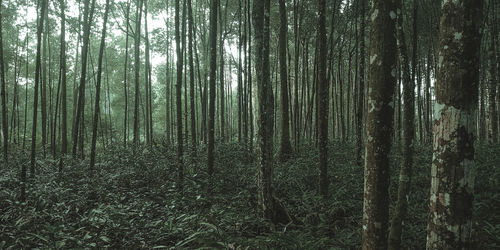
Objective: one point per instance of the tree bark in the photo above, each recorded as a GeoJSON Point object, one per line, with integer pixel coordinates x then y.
{"type": "Point", "coordinates": [379, 125]}
{"type": "Point", "coordinates": [323, 101]}
{"type": "Point", "coordinates": [137, 65]}
{"type": "Point", "coordinates": [97, 109]}
{"type": "Point", "coordinates": [286, 147]}
{"type": "Point", "coordinates": [452, 171]}
{"type": "Point", "coordinates": [5, 128]}
{"type": "Point", "coordinates": [213, 71]}
{"type": "Point", "coordinates": [261, 9]}
{"type": "Point", "coordinates": [405, 172]}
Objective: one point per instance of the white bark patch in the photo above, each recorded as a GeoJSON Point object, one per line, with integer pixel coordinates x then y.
{"type": "Point", "coordinates": [373, 58]}
{"type": "Point", "coordinates": [374, 14]}
{"type": "Point", "coordinates": [458, 36]}
{"type": "Point", "coordinates": [392, 14]}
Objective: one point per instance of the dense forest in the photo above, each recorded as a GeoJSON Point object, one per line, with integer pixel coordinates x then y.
{"type": "Point", "coordinates": [250, 124]}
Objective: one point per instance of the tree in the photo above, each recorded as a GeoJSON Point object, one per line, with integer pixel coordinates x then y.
{"type": "Point", "coordinates": [62, 72]}
{"type": "Point", "coordinates": [98, 88]}
{"type": "Point", "coordinates": [285, 145]}
{"type": "Point", "coordinates": [323, 101]}
{"type": "Point", "coordinates": [379, 128]}
{"type": "Point", "coordinates": [492, 86]}
{"type": "Point", "coordinates": [361, 87]}
{"type": "Point", "coordinates": [405, 172]}
{"type": "Point", "coordinates": [137, 66]}
{"type": "Point", "coordinates": [178, 100]}
{"type": "Point", "coordinates": [191, 74]}
{"type": "Point", "coordinates": [5, 129]}
{"type": "Point", "coordinates": [452, 171]}
{"type": "Point", "coordinates": [81, 95]}
{"type": "Point", "coordinates": [261, 10]}
{"type": "Point", "coordinates": [213, 70]}
{"type": "Point", "coordinates": [125, 74]}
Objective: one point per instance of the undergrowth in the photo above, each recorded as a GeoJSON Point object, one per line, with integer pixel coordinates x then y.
{"type": "Point", "coordinates": [132, 201]}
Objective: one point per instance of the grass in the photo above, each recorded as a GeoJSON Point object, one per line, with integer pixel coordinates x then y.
{"type": "Point", "coordinates": [132, 202]}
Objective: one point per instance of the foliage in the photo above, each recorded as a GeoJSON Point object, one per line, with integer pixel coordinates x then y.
{"type": "Point", "coordinates": [132, 201]}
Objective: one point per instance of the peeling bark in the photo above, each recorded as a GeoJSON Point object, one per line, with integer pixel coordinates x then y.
{"type": "Point", "coordinates": [452, 182]}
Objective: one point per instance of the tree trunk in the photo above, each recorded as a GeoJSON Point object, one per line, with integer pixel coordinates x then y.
{"type": "Point", "coordinates": [361, 87]}
{"type": "Point", "coordinates": [261, 9]}
{"type": "Point", "coordinates": [405, 172]}
{"type": "Point", "coordinates": [323, 101]}
{"type": "Point", "coordinates": [178, 93]}
{"type": "Point", "coordinates": [62, 72]}
{"type": "Point", "coordinates": [379, 124]}
{"type": "Point", "coordinates": [81, 96]}
{"type": "Point", "coordinates": [137, 65]}
{"type": "Point", "coordinates": [213, 71]}
{"type": "Point", "coordinates": [452, 171]}
{"type": "Point", "coordinates": [285, 147]}
{"type": "Point", "coordinates": [5, 129]}
{"type": "Point", "coordinates": [125, 74]}
{"type": "Point", "coordinates": [191, 75]}
{"type": "Point", "coordinates": [98, 89]}
{"type": "Point", "coordinates": [35, 98]}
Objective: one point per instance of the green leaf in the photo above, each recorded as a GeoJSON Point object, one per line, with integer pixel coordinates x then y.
{"type": "Point", "coordinates": [105, 238]}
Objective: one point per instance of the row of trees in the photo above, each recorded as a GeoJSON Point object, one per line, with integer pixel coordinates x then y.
{"type": "Point", "coordinates": [426, 92]}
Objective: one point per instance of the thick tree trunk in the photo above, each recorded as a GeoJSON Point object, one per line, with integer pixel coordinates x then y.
{"type": "Point", "coordinates": [379, 127]}
{"type": "Point", "coordinates": [452, 171]}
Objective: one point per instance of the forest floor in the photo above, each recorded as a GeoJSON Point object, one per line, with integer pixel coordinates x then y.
{"type": "Point", "coordinates": [131, 202]}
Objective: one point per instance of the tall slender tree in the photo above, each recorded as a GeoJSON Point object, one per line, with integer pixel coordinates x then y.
{"type": "Point", "coordinates": [137, 66]}
{"type": "Point", "coordinates": [125, 74]}
{"type": "Point", "coordinates": [285, 145]}
{"type": "Point", "coordinates": [261, 9]}
{"type": "Point", "coordinates": [62, 72]}
{"type": "Point", "coordinates": [88, 12]}
{"type": "Point", "coordinates": [379, 129]}
{"type": "Point", "coordinates": [213, 70]}
{"type": "Point", "coordinates": [361, 86]}
{"type": "Point", "coordinates": [97, 108]}
{"type": "Point", "coordinates": [191, 74]}
{"type": "Point", "coordinates": [323, 101]}
{"type": "Point", "coordinates": [178, 94]}
{"type": "Point", "coordinates": [405, 172]}
{"type": "Point", "coordinates": [5, 129]}
{"type": "Point", "coordinates": [452, 170]}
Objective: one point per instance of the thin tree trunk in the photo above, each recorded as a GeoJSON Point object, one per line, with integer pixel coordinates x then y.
{"type": "Point", "coordinates": [213, 71]}
{"type": "Point", "coordinates": [5, 129]}
{"type": "Point", "coordinates": [323, 101]}
{"type": "Point", "coordinates": [285, 146]}
{"type": "Point", "coordinates": [137, 64]}
{"type": "Point", "coordinates": [98, 89]}
{"type": "Point", "coordinates": [405, 172]}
